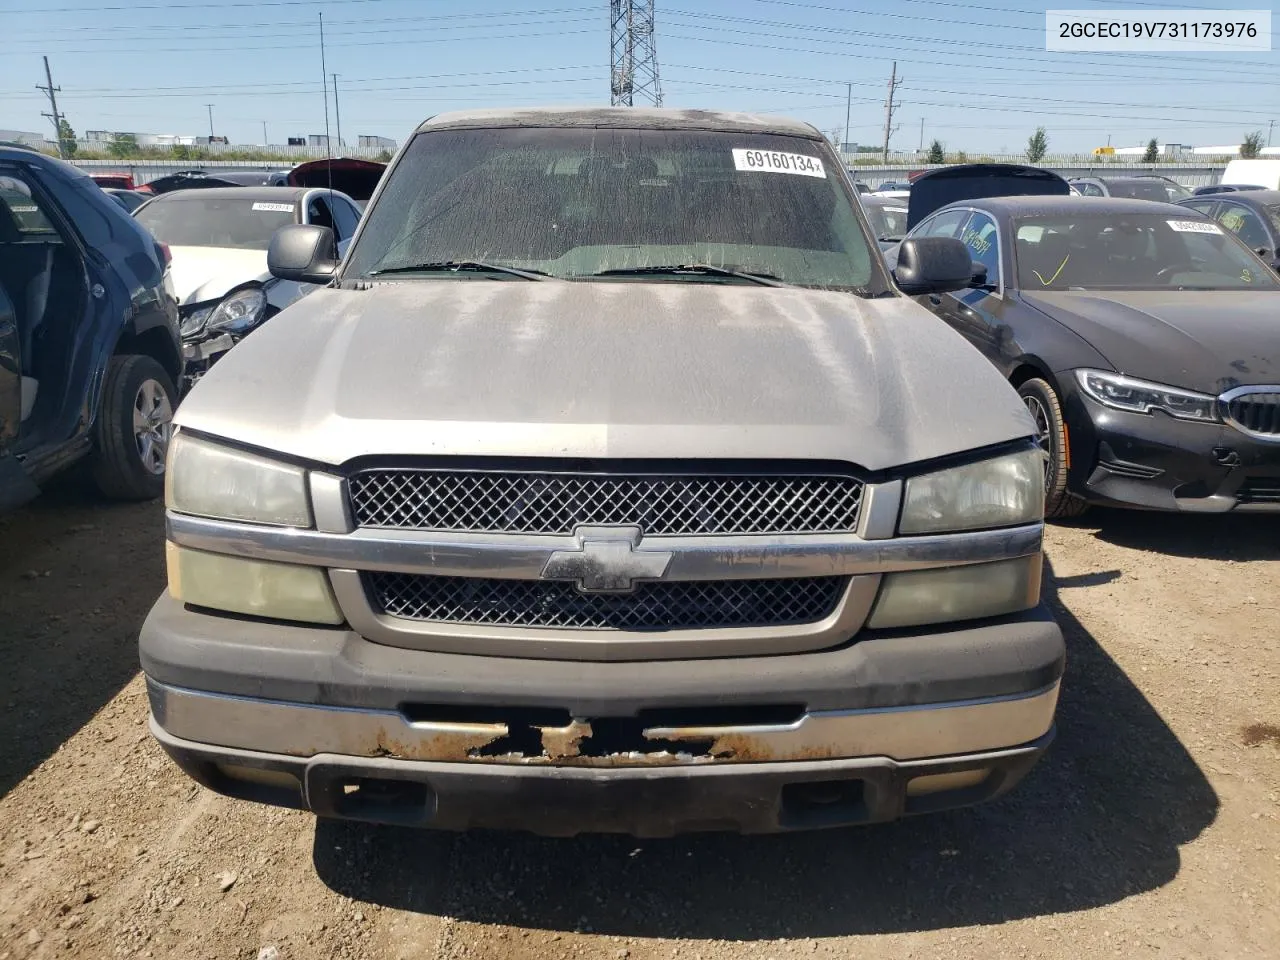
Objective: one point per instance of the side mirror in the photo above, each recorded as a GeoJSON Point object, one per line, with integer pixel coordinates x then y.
{"type": "Point", "coordinates": [304, 253]}
{"type": "Point", "coordinates": [932, 265]}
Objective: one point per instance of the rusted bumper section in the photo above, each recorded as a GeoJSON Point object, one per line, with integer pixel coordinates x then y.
{"type": "Point", "coordinates": [559, 801]}
{"type": "Point", "coordinates": [823, 768]}
{"type": "Point", "coordinates": [521, 738]}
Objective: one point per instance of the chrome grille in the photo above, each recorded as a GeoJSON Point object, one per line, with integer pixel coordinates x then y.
{"type": "Point", "coordinates": [555, 503]}
{"type": "Point", "coordinates": [660, 605]}
{"type": "Point", "coordinates": [1256, 413]}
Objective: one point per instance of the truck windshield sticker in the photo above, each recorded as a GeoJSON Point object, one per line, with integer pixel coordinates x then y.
{"type": "Point", "coordinates": [1193, 226]}
{"type": "Point", "coordinates": [274, 207]}
{"type": "Point", "coordinates": [771, 161]}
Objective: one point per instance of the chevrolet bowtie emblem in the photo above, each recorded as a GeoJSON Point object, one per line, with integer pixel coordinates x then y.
{"type": "Point", "coordinates": [606, 561]}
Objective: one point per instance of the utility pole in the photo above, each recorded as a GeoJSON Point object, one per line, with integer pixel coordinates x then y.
{"type": "Point", "coordinates": [265, 141]}
{"type": "Point", "coordinates": [324, 82]}
{"type": "Point", "coordinates": [1270, 124]}
{"type": "Point", "coordinates": [210, 108]}
{"type": "Point", "coordinates": [337, 113]}
{"type": "Point", "coordinates": [889, 107]}
{"type": "Point", "coordinates": [50, 91]}
{"type": "Point", "coordinates": [848, 102]}
{"type": "Point", "coordinates": [921, 148]}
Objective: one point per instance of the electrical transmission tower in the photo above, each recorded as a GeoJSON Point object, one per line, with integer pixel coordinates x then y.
{"type": "Point", "coordinates": [634, 74]}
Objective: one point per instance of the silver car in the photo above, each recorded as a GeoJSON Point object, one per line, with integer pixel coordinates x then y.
{"type": "Point", "coordinates": [611, 484]}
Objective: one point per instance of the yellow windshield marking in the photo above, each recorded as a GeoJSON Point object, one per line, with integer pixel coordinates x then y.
{"type": "Point", "coordinates": [1043, 281]}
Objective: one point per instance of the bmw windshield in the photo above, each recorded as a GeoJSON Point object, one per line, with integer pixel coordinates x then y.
{"type": "Point", "coordinates": [586, 203]}
{"type": "Point", "coordinates": [1145, 251]}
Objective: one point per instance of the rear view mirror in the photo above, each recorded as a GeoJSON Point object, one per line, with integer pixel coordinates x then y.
{"type": "Point", "coordinates": [933, 265]}
{"type": "Point", "coordinates": [304, 253]}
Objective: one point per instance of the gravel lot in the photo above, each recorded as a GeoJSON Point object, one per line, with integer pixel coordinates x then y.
{"type": "Point", "coordinates": [1152, 829]}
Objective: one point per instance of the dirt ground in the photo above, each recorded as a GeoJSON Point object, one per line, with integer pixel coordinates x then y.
{"type": "Point", "coordinates": [1152, 828]}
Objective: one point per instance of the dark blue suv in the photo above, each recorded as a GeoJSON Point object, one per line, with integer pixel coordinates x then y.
{"type": "Point", "coordinates": [89, 343]}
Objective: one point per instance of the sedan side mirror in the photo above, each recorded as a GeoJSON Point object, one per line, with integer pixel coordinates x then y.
{"type": "Point", "coordinates": [932, 265]}
{"type": "Point", "coordinates": [304, 253]}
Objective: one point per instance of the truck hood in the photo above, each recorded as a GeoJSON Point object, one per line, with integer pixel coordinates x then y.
{"type": "Point", "coordinates": [207, 273]}
{"type": "Point", "coordinates": [605, 369]}
{"type": "Point", "coordinates": [1206, 340]}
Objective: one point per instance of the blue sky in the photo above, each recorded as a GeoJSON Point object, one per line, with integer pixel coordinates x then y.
{"type": "Point", "coordinates": [976, 73]}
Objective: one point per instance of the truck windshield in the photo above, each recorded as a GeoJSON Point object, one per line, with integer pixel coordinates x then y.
{"type": "Point", "coordinates": [631, 204]}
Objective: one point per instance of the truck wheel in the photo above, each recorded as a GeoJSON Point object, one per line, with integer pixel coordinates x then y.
{"type": "Point", "coordinates": [1042, 403]}
{"type": "Point", "coordinates": [135, 422]}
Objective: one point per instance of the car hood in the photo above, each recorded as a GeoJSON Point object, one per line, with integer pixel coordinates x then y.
{"type": "Point", "coordinates": [207, 273]}
{"type": "Point", "coordinates": [598, 369]}
{"type": "Point", "coordinates": [1210, 340]}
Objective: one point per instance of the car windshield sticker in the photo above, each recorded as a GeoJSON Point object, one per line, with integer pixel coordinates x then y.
{"type": "Point", "coordinates": [770, 161]}
{"type": "Point", "coordinates": [1246, 275]}
{"type": "Point", "coordinates": [1233, 221]}
{"type": "Point", "coordinates": [1193, 226]}
{"type": "Point", "coordinates": [976, 242]}
{"type": "Point", "coordinates": [1056, 273]}
{"type": "Point", "coordinates": [274, 207]}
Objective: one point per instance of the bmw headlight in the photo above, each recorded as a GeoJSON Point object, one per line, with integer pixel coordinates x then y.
{"type": "Point", "coordinates": [240, 312]}
{"type": "Point", "coordinates": [1000, 492]}
{"type": "Point", "coordinates": [1140, 396]}
{"type": "Point", "coordinates": [209, 480]}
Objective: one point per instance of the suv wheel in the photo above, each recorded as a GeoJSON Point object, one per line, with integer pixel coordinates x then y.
{"type": "Point", "coordinates": [1042, 403]}
{"type": "Point", "coordinates": [135, 422]}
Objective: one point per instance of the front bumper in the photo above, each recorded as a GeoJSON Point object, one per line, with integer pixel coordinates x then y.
{"type": "Point", "coordinates": [1159, 463]}
{"type": "Point", "coordinates": [324, 719]}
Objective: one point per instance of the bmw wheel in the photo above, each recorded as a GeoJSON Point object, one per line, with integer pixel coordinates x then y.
{"type": "Point", "coordinates": [1043, 405]}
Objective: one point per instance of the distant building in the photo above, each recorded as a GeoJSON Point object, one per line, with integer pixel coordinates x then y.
{"type": "Point", "coordinates": [24, 137]}
{"type": "Point", "coordinates": [297, 141]}
{"type": "Point", "coordinates": [377, 143]}
{"type": "Point", "coordinates": [317, 140]}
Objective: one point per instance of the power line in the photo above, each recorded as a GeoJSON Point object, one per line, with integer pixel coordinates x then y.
{"type": "Point", "coordinates": [198, 43]}
{"type": "Point", "coordinates": [251, 25]}
{"type": "Point", "coordinates": [363, 43]}
{"type": "Point", "coordinates": [881, 47]}
{"type": "Point", "coordinates": [1038, 54]}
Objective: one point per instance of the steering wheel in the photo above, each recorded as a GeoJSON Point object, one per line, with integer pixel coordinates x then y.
{"type": "Point", "coordinates": [1164, 273]}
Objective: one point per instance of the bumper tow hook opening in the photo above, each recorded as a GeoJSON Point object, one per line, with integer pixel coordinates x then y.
{"type": "Point", "coordinates": [816, 803]}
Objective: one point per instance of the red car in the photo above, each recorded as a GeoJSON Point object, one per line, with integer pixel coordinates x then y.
{"type": "Point", "coordinates": [121, 181]}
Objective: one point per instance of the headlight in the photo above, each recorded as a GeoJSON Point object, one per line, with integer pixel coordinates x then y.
{"type": "Point", "coordinates": [1000, 492]}
{"type": "Point", "coordinates": [1138, 396]}
{"type": "Point", "coordinates": [208, 480]}
{"type": "Point", "coordinates": [282, 591]}
{"type": "Point", "coordinates": [957, 593]}
{"type": "Point", "coordinates": [240, 312]}
{"type": "Point", "coordinates": [194, 322]}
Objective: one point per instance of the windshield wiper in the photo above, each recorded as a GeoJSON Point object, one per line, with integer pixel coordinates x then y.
{"type": "Point", "coordinates": [696, 269]}
{"type": "Point", "coordinates": [461, 266]}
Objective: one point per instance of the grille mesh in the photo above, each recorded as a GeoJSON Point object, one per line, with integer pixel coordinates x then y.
{"type": "Point", "coordinates": [554, 503]}
{"type": "Point", "coordinates": [652, 606]}
{"type": "Point", "coordinates": [1257, 412]}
